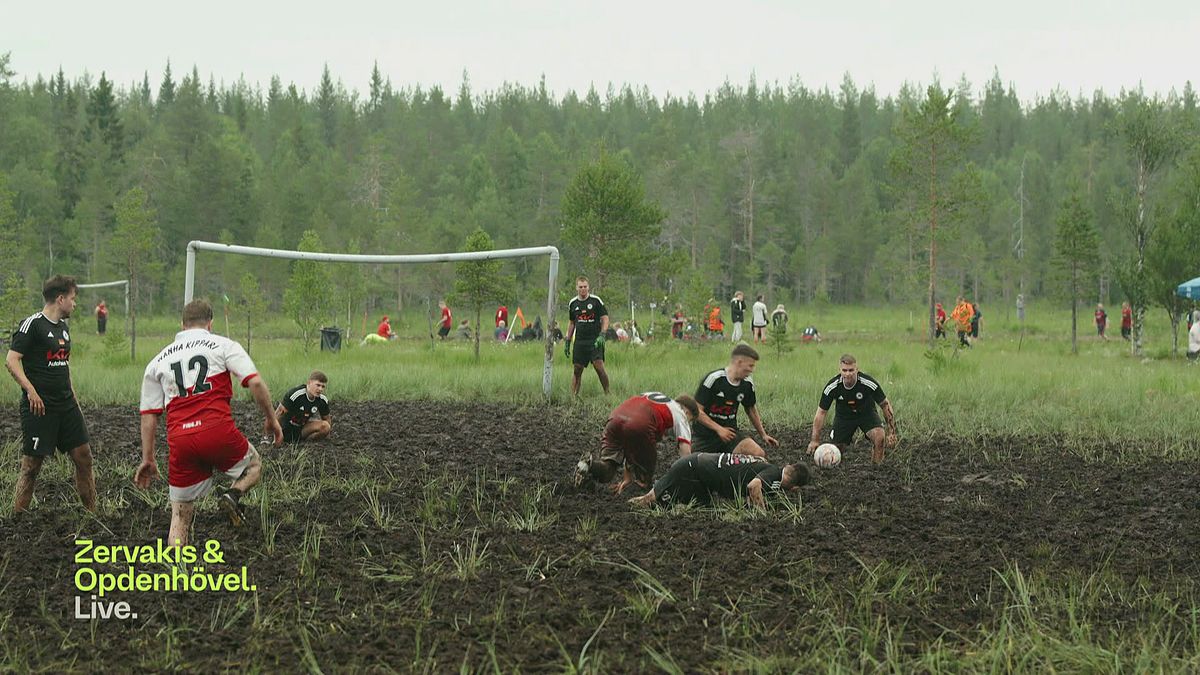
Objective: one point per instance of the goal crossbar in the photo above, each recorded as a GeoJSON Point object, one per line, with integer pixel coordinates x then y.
{"type": "Point", "coordinates": [111, 284]}
{"type": "Point", "coordinates": [547, 369]}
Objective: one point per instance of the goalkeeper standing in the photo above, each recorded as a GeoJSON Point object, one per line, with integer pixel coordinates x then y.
{"type": "Point", "coordinates": [589, 320]}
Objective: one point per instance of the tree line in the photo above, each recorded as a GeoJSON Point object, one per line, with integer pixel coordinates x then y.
{"type": "Point", "coordinates": [807, 194]}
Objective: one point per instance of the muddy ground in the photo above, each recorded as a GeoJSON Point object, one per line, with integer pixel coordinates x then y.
{"type": "Point", "coordinates": [405, 492]}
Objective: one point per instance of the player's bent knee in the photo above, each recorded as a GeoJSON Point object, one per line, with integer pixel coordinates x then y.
{"type": "Point", "coordinates": [749, 446]}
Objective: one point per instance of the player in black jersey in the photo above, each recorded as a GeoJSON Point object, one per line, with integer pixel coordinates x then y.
{"type": "Point", "coordinates": [703, 477]}
{"type": "Point", "coordinates": [39, 360]}
{"type": "Point", "coordinates": [589, 321]}
{"type": "Point", "coordinates": [720, 394]}
{"type": "Point", "coordinates": [856, 395]}
{"type": "Point", "coordinates": [304, 411]}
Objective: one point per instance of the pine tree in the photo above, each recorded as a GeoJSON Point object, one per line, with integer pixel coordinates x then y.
{"type": "Point", "coordinates": [102, 115]}
{"type": "Point", "coordinates": [1076, 252]}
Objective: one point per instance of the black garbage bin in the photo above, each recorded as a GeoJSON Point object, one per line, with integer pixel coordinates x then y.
{"type": "Point", "coordinates": [331, 339]}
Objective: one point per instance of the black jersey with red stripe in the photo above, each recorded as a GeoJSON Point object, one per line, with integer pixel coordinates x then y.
{"type": "Point", "coordinates": [45, 349]}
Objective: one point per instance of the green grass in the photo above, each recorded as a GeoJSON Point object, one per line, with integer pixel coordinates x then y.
{"type": "Point", "coordinates": [1008, 384]}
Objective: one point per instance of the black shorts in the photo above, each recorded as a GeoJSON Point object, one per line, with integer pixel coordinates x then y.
{"type": "Point", "coordinates": [444, 331]}
{"type": "Point", "coordinates": [680, 484]}
{"type": "Point", "coordinates": [843, 430]}
{"type": "Point", "coordinates": [291, 434]}
{"type": "Point", "coordinates": [1126, 331]}
{"type": "Point", "coordinates": [583, 353]}
{"type": "Point", "coordinates": [709, 441]}
{"type": "Point", "coordinates": [63, 429]}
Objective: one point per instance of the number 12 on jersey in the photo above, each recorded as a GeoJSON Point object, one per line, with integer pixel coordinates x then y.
{"type": "Point", "coordinates": [202, 384]}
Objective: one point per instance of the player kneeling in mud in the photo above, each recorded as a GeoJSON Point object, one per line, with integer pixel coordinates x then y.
{"type": "Point", "coordinates": [304, 411]}
{"type": "Point", "coordinates": [704, 476]}
{"type": "Point", "coordinates": [631, 438]}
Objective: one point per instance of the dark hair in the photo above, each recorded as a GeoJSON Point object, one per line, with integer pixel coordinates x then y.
{"type": "Point", "coordinates": [318, 376]}
{"type": "Point", "coordinates": [689, 404]}
{"type": "Point", "coordinates": [746, 351]}
{"type": "Point", "coordinates": [760, 296]}
{"type": "Point", "coordinates": [197, 312]}
{"type": "Point", "coordinates": [849, 359]}
{"type": "Point", "coordinates": [58, 285]}
{"type": "Point", "coordinates": [799, 476]}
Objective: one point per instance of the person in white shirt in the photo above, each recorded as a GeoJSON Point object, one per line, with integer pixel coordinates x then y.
{"type": "Point", "coordinates": [1194, 338]}
{"type": "Point", "coordinates": [758, 323]}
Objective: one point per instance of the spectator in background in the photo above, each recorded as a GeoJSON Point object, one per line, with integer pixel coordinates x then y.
{"type": "Point", "coordinates": [556, 332]}
{"type": "Point", "coordinates": [716, 327]}
{"type": "Point", "coordinates": [101, 318]}
{"type": "Point", "coordinates": [758, 319]}
{"type": "Point", "coordinates": [976, 315]}
{"type": "Point", "coordinates": [939, 322]}
{"type": "Point", "coordinates": [1126, 320]}
{"type": "Point", "coordinates": [501, 332]}
{"type": "Point", "coordinates": [1101, 320]}
{"type": "Point", "coordinates": [1020, 307]}
{"type": "Point", "coordinates": [779, 318]}
{"type": "Point", "coordinates": [464, 330]}
{"type": "Point", "coordinates": [962, 314]}
{"type": "Point", "coordinates": [447, 322]}
{"type": "Point", "coordinates": [622, 334]}
{"type": "Point", "coordinates": [1194, 338]}
{"type": "Point", "coordinates": [737, 314]}
{"type": "Point", "coordinates": [385, 329]}
{"type": "Point", "coordinates": [677, 322]}
{"type": "Point", "coordinates": [502, 316]}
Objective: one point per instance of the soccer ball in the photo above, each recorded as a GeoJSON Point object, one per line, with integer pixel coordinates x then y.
{"type": "Point", "coordinates": [826, 455]}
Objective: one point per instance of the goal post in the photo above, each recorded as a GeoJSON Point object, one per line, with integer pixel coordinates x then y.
{"type": "Point", "coordinates": [189, 281]}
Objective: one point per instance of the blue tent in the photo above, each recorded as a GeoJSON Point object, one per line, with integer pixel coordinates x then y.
{"type": "Point", "coordinates": [1190, 289]}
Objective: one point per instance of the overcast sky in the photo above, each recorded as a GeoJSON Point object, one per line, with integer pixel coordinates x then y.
{"type": "Point", "coordinates": [675, 47]}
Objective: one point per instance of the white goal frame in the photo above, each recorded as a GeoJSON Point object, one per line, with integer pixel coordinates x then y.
{"type": "Point", "coordinates": [111, 284]}
{"type": "Point", "coordinates": [189, 280]}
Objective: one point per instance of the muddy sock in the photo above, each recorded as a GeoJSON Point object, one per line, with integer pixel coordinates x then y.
{"type": "Point", "coordinates": [235, 493]}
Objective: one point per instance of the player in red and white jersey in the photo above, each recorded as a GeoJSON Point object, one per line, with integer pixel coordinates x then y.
{"type": "Point", "coordinates": [631, 438]}
{"type": "Point", "coordinates": [192, 381]}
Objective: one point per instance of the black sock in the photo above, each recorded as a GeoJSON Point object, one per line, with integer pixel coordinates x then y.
{"type": "Point", "coordinates": [235, 493]}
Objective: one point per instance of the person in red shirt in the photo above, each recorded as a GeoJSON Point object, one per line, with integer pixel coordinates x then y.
{"type": "Point", "coordinates": [191, 379]}
{"type": "Point", "coordinates": [447, 321]}
{"type": "Point", "coordinates": [631, 438]}
{"type": "Point", "coordinates": [1126, 320]}
{"type": "Point", "coordinates": [502, 315]}
{"type": "Point", "coordinates": [939, 325]}
{"type": "Point", "coordinates": [1101, 320]}
{"type": "Point", "coordinates": [101, 318]}
{"type": "Point", "coordinates": [385, 329]}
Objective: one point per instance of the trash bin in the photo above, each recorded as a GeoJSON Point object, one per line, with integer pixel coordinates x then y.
{"type": "Point", "coordinates": [331, 339]}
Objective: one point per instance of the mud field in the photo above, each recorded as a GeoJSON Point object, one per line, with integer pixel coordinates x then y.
{"type": "Point", "coordinates": [429, 536]}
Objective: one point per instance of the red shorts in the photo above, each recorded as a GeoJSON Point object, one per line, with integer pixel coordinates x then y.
{"type": "Point", "coordinates": [193, 459]}
{"type": "Point", "coordinates": [631, 438]}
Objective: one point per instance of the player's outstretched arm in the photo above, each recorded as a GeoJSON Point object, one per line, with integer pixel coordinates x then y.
{"type": "Point", "coordinates": [756, 420]}
{"type": "Point", "coordinates": [262, 396]}
{"type": "Point", "coordinates": [818, 425]}
{"type": "Point", "coordinates": [147, 471]}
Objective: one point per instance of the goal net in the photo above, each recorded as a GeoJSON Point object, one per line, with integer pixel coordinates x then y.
{"type": "Point", "coordinates": [538, 251]}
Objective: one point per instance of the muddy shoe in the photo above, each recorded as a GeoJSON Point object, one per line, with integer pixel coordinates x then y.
{"type": "Point", "coordinates": [232, 508]}
{"type": "Point", "coordinates": [583, 473]}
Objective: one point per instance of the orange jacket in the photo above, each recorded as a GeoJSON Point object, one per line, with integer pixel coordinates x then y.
{"type": "Point", "coordinates": [962, 315]}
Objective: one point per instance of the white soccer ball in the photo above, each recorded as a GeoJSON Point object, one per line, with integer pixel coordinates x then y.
{"type": "Point", "coordinates": [826, 455]}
